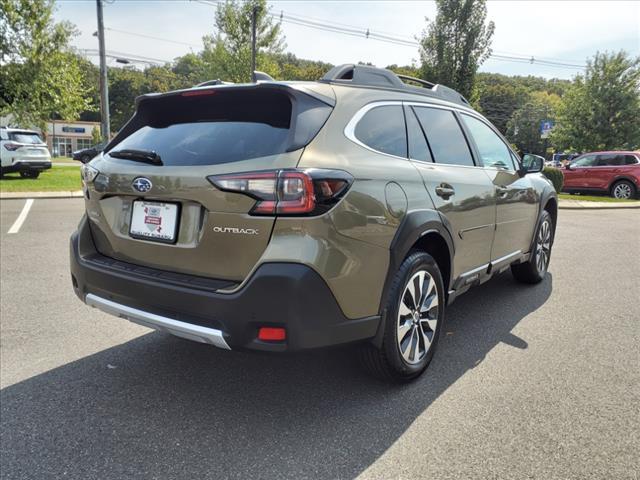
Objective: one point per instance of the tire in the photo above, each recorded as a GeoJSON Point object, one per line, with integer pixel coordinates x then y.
{"type": "Point", "coordinates": [623, 189]}
{"type": "Point", "coordinates": [535, 269]}
{"type": "Point", "coordinates": [29, 174]}
{"type": "Point", "coordinates": [405, 360]}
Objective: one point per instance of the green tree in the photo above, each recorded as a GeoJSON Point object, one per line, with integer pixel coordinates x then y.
{"type": "Point", "coordinates": [40, 77]}
{"type": "Point", "coordinates": [456, 44]}
{"type": "Point", "coordinates": [125, 84]}
{"type": "Point", "coordinates": [191, 69]}
{"type": "Point", "coordinates": [95, 135]}
{"type": "Point", "coordinates": [227, 53]}
{"type": "Point", "coordinates": [497, 97]}
{"type": "Point", "coordinates": [601, 110]}
{"type": "Point", "coordinates": [523, 129]}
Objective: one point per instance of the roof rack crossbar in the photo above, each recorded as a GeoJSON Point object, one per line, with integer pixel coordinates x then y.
{"type": "Point", "coordinates": [417, 80]}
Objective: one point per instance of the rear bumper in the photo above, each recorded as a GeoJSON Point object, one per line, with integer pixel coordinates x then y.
{"type": "Point", "coordinates": [286, 295]}
{"type": "Point", "coordinates": [25, 166]}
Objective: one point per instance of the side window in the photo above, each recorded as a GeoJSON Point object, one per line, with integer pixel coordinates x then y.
{"type": "Point", "coordinates": [630, 160]}
{"type": "Point", "coordinates": [606, 160]}
{"type": "Point", "coordinates": [383, 129]}
{"type": "Point", "coordinates": [587, 161]}
{"type": "Point", "coordinates": [418, 148]}
{"type": "Point", "coordinates": [445, 136]}
{"type": "Point", "coordinates": [493, 151]}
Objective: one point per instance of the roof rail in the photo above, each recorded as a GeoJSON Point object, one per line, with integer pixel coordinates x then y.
{"type": "Point", "coordinates": [210, 83]}
{"type": "Point", "coordinates": [351, 74]}
{"type": "Point", "coordinates": [422, 82]}
{"type": "Point", "coordinates": [262, 77]}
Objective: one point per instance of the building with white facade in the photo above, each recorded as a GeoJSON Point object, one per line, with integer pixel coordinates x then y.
{"type": "Point", "coordinates": [62, 138]}
{"type": "Point", "coordinates": [65, 137]}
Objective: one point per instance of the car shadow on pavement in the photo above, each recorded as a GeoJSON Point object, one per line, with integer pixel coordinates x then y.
{"type": "Point", "coordinates": [162, 407]}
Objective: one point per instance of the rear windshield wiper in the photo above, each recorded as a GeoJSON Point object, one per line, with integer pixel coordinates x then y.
{"type": "Point", "coordinates": [145, 156]}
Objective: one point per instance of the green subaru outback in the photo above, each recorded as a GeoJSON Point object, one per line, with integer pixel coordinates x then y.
{"type": "Point", "coordinates": [281, 216]}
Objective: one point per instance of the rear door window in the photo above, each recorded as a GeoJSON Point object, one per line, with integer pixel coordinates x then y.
{"type": "Point", "coordinates": [418, 148]}
{"type": "Point", "coordinates": [383, 129]}
{"type": "Point", "coordinates": [630, 160]}
{"type": "Point", "coordinates": [25, 137]}
{"type": "Point", "coordinates": [444, 135]}
{"type": "Point", "coordinates": [492, 150]}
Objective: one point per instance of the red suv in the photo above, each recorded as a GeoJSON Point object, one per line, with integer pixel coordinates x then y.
{"type": "Point", "coordinates": [616, 173]}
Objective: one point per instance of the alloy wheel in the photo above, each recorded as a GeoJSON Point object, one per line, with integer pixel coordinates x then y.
{"type": "Point", "coordinates": [622, 190]}
{"type": "Point", "coordinates": [543, 246]}
{"type": "Point", "coordinates": [417, 317]}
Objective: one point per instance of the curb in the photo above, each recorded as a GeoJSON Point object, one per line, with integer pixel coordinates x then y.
{"type": "Point", "coordinates": [578, 205]}
{"type": "Point", "coordinates": [23, 195]}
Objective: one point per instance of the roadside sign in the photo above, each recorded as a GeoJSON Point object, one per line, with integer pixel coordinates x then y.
{"type": "Point", "coordinates": [545, 128]}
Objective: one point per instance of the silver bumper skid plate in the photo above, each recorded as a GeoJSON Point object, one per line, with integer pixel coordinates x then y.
{"type": "Point", "coordinates": [151, 320]}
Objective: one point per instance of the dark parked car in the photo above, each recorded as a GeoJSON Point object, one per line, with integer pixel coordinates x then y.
{"type": "Point", "coordinates": [615, 173]}
{"type": "Point", "coordinates": [283, 216]}
{"type": "Point", "coordinates": [86, 154]}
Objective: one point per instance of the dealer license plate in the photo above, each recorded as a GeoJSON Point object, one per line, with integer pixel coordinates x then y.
{"type": "Point", "coordinates": [157, 221]}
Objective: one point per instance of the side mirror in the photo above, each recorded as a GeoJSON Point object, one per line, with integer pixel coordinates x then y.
{"type": "Point", "coordinates": [531, 164]}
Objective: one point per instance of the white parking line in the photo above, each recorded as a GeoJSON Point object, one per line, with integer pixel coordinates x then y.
{"type": "Point", "coordinates": [22, 217]}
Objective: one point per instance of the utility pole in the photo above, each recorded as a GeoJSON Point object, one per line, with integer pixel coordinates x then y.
{"type": "Point", "coordinates": [254, 19]}
{"type": "Point", "coordinates": [104, 85]}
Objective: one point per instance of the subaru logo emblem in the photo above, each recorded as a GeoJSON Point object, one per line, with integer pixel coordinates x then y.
{"type": "Point", "coordinates": [142, 185]}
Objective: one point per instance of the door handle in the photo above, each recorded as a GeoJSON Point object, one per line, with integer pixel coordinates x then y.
{"type": "Point", "coordinates": [445, 191]}
{"type": "Point", "coordinates": [502, 191]}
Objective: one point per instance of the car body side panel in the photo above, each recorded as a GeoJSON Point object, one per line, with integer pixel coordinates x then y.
{"type": "Point", "coordinates": [365, 222]}
{"type": "Point", "coordinates": [470, 211]}
{"type": "Point", "coordinates": [353, 269]}
{"type": "Point", "coordinates": [516, 211]}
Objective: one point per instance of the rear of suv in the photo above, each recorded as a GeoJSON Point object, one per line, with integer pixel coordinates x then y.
{"type": "Point", "coordinates": [23, 151]}
{"type": "Point", "coordinates": [615, 173]}
{"type": "Point", "coordinates": [285, 216]}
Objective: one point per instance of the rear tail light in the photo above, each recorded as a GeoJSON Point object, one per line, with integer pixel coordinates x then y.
{"type": "Point", "coordinates": [12, 146]}
{"type": "Point", "coordinates": [288, 192]}
{"type": "Point", "coordinates": [88, 173]}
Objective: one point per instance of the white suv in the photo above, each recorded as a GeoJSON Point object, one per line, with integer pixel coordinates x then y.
{"type": "Point", "coordinates": [23, 151]}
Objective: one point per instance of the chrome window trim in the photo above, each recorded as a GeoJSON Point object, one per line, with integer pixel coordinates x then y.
{"type": "Point", "coordinates": [445, 164]}
{"type": "Point", "coordinates": [350, 128]}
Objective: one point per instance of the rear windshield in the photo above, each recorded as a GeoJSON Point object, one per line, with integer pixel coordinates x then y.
{"type": "Point", "coordinates": [221, 127]}
{"type": "Point", "coordinates": [25, 137]}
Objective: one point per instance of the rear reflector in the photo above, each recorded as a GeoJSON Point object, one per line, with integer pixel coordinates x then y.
{"type": "Point", "coordinates": [272, 334]}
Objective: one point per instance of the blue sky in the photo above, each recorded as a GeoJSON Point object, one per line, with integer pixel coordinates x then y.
{"type": "Point", "coordinates": [568, 31]}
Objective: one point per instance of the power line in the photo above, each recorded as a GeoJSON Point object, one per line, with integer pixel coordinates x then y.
{"type": "Point", "coordinates": [361, 32]}
{"type": "Point", "coordinates": [91, 52]}
{"type": "Point", "coordinates": [142, 35]}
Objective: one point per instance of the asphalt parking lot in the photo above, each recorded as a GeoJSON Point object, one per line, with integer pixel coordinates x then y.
{"type": "Point", "coordinates": [528, 382]}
